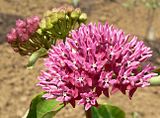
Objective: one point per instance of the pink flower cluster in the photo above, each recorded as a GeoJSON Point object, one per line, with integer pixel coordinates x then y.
{"type": "Point", "coordinates": [95, 60]}
{"type": "Point", "coordinates": [23, 30]}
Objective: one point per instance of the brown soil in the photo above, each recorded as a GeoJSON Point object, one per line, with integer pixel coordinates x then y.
{"type": "Point", "coordinates": [18, 85]}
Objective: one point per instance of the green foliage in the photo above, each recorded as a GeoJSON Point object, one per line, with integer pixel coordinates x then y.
{"type": "Point", "coordinates": [41, 108]}
{"type": "Point", "coordinates": [107, 111]}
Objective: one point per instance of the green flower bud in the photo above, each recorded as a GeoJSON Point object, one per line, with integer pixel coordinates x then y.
{"type": "Point", "coordinates": [39, 31]}
{"type": "Point", "coordinates": [49, 24]}
{"type": "Point", "coordinates": [43, 24]}
{"type": "Point", "coordinates": [83, 17]}
{"type": "Point", "coordinates": [75, 14]}
{"type": "Point", "coordinates": [58, 22]}
{"type": "Point", "coordinates": [47, 13]}
{"type": "Point", "coordinates": [61, 15]}
{"type": "Point", "coordinates": [54, 18]}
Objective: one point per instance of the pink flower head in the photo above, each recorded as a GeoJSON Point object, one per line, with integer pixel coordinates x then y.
{"type": "Point", "coordinates": [21, 23]}
{"type": "Point", "coordinates": [32, 24]}
{"type": "Point", "coordinates": [23, 38]}
{"type": "Point", "coordinates": [23, 30]}
{"type": "Point", "coordinates": [12, 36]}
{"type": "Point", "coordinates": [95, 60]}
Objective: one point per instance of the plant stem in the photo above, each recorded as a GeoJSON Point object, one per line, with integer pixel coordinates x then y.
{"type": "Point", "coordinates": [34, 57]}
{"type": "Point", "coordinates": [88, 113]}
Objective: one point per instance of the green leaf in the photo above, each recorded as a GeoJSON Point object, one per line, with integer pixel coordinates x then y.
{"type": "Point", "coordinates": [107, 111]}
{"type": "Point", "coordinates": [34, 57]}
{"type": "Point", "coordinates": [41, 108]}
{"type": "Point", "coordinates": [49, 115]}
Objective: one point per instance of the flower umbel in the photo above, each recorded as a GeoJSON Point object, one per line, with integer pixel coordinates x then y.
{"type": "Point", "coordinates": [95, 60]}
{"type": "Point", "coordinates": [58, 22]}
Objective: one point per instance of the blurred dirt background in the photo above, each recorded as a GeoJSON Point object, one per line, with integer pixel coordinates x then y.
{"type": "Point", "coordinates": [18, 85]}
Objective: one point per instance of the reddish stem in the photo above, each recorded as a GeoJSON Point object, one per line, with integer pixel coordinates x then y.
{"type": "Point", "coordinates": [88, 113]}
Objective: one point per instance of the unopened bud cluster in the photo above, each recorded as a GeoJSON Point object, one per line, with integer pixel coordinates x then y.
{"type": "Point", "coordinates": [24, 38]}
{"type": "Point", "coordinates": [33, 33]}
{"type": "Point", "coordinates": [59, 21]}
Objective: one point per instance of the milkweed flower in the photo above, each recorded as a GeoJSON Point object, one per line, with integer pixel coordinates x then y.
{"type": "Point", "coordinates": [95, 60]}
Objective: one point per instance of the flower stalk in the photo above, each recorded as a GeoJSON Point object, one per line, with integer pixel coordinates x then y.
{"type": "Point", "coordinates": [88, 113]}
{"type": "Point", "coordinates": [37, 54]}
